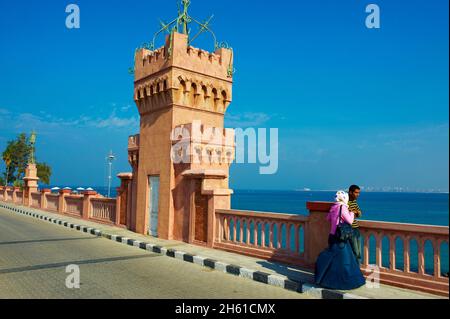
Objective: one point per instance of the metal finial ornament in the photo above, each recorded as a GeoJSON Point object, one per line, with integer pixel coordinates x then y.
{"type": "Point", "coordinates": [32, 160]}
{"type": "Point", "coordinates": [184, 18]}
{"type": "Point", "coordinates": [181, 25]}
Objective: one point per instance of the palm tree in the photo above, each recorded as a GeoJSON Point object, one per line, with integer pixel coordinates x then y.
{"type": "Point", "coordinates": [7, 159]}
{"type": "Point", "coordinates": [44, 172]}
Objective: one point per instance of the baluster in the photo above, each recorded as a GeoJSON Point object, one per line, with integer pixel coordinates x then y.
{"type": "Point", "coordinates": [247, 231]}
{"type": "Point", "coordinates": [226, 228]}
{"type": "Point", "coordinates": [280, 231]}
{"type": "Point", "coordinates": [271, 227]}
{"type": "Point", "coordinates": [392, 252]}
{"type": "Point", "coordinates": [255, 233]}
{"type": "Point", "coordinates": [437, 258]}
{"type": "Point", "coordinates": [234, 229]}
{"type": "Point", "coordinates": [241, 230]}
{"type": "Point", "coordinates": [220, 230]}
{"type": "Point", "coordinates": [406, 255]}
{"type": "Point", "coordinates": [229, 230]}
{"type": "Point", "coordinates": [263, 234]}
{"type": "Point", "coordinates": [378, 247]}
{"type": "Point", "coordinates": [366, 249]}
{"type": "Point", "coordinates": [421, 264]}
{"type": "Point", "coordinates": [297, 238]}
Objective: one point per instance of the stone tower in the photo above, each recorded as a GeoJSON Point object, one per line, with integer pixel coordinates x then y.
{"type": "Point", "coordinates": [182, 94]}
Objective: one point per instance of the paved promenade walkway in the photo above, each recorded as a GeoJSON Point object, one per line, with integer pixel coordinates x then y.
{"type": "Point", "coordinates": [196, 272]}
{"type": "Point", "coordinates": [34, 255]}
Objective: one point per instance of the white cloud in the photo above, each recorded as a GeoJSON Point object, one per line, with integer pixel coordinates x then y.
{"type": "Point", "coordinates": [114, 121]}
{"type": "Point", "coordinates": [4, 111]}
{"type": "Point", "coordinates": [246, 119]}
{"type": "Point", "coordinates": [47, 123]}
{"type": "Point", "coordinates": [125, 108]}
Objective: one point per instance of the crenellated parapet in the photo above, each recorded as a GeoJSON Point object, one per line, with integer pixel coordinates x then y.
{"type": "Point", "coordinates": [202, 145]}
{"type": "Point", "coordinates": [177, 53]}
{"type": "Point", "coordinates": [187, 77]}
{"type": "Point", "coordinates": [149, 62]}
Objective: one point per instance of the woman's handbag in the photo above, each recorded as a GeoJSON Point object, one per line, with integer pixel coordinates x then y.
{"type": "Point", "coordinates": [344, 231]}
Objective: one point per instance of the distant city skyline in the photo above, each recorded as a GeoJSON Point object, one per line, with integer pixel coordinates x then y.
{"type": "Point", "coordinates": [352, 105]}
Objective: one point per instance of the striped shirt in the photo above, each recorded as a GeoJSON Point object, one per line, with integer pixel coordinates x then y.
{"type": "Point", "coordinates": [354, 208]}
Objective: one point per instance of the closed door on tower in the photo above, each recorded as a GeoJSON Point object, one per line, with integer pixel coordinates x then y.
{"type": "Point", "coordinates": [153, 183]}
{"type": "Point", "coordinates": [201, 214]}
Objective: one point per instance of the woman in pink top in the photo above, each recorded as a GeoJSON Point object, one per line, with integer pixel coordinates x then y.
{"type": "Point", "coordinates": [333, 215]}
{"type": "Point", "coordinates": [336, 266]}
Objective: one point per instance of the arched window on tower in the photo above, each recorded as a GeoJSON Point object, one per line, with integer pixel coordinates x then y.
{"type": "Point", "coordinates": [215, 98]}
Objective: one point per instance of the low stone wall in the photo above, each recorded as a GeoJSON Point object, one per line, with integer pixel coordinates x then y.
{"type": "Point", "coordinates": [52, 202]}
{"type": "Point", "coordinates": [89, 205]}
{"type": "Point", "coordinates": [278, 237]}
{"type": "Point", "coordinates": [36, 200]}
{"type": "Point", "coordinates": [103, 209]}
{"type": "Point", "coordinates": [19, 197]}
{"type": "Point", "coordinates": [298, 240]}
{"type": "Point", "coordinates": [74, 205]}
{"type": "Point", "coordinates": [290, 239]}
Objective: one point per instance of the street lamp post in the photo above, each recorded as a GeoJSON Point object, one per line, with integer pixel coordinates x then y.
{"type": "Point", "coordinates": [110, 159]}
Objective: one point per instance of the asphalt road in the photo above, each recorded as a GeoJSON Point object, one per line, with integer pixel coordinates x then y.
{"type": "Point", "coordinates": [34, 256]}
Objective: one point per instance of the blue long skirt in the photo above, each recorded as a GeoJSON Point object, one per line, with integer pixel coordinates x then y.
{"type": "Point", "coordinates": [337, 267]}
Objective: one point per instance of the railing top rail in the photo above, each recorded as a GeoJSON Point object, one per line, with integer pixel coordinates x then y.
{"type": "Point", "coordinates": [73, 197]}
{"type": "Point", "coordinates": [110, 200]}
{"type": "Point", "coordinates": [264, 215]}
{"type": "Point", "coordinates": [402, 227]}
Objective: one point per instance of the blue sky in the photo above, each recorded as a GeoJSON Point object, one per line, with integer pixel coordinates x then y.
{"type": "Point", "coordinates": [352, 105]}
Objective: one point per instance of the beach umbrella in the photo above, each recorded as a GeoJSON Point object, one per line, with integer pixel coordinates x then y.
{"type": "Point", "coordinates": [89, 189]}
{"type": "Point", "coordinates": [67, 188]}
{"type": "Point", "coordinates": [56, 189]}
{"type": "Point", "coordinates": [80, 189]}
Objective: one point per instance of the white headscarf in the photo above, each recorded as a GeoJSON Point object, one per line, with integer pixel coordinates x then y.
{"type": "Point", "coordinates": [342, 197]}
